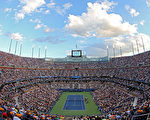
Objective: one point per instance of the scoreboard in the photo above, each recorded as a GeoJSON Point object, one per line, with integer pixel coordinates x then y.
{"type": "Point", "coordinates": [76, 53]}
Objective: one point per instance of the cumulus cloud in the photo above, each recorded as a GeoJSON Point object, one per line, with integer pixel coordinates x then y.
{"type": "Point", "coordinates": [50, 39]}
{"type": "Point", "coordinates": [132, 11]}
{"type": "Point", "coordinates": [16, 36]}
{"type": "Point", "coordinates": [7, 9]}
{"type": "Point", "coordinates": [99, 22]}
{"type": "Point", "coordinates": [29, 7]}
{"type": "Point", "coordinates": [59, 9]}
{"type": "Point", "coordinates": [142, 22]}
{"type": "Point", "coordinates": [123, 42]}
{"type": "Point", "coordinates": [41, 25]}
{"type": "Point", "coordinates": [35, 21]}
{"type": "Point", "coordinates": [126, 42]}
{"type": "Point", "coordinates": [67, 6]}
{"type": "Point", "coordinates": [62, 11]}
{"type": "Point", "coordinates": [19, 16]}
{"type": "Point", "coordinates": [51, 4]}
{"type": "Point", "coordinates": [38, 26]}
{"type": "Point", "coordinates": [47, 30]}
{"type": "Point", "coordinates": [47, 12]}
{"type": "Point", "coordinates": [148, 3]}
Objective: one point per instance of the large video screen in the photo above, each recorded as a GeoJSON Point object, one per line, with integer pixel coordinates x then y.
{"type": "Point", "coordinates": [76, 53]}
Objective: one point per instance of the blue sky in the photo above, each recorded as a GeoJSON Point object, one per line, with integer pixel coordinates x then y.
{"type": "Point", "coordinates": [58, 25]}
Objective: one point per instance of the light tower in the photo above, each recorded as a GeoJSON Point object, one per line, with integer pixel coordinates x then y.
{"type": "Point", "coordinates": [39, 51]}
{"type": "Point", "coordinates": [45, 51]}
{"type": "Point", "coordinates": [16, 47]}
{"type": "Point", "coordinates": [32, 50]}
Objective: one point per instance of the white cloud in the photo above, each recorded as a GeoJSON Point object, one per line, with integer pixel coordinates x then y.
{"type": "Point", "coordinates": [38, 26]}
{"type": "Point", "coordinates": [148, 3]}
{"type": "Point", "coordinates": [35, 21]}
{"type": "Point", "coordinates": [63, 10]}
{"type": "Point", "coordinates": [59, 9]}
{"type": "Point", "coordinates": [132, 11]}
{"type": "Point", "coordinates": [47, 12]}
{"type": "Point", "coordinates": [51, 4]}
{"type": "Point", "coordinates": [125, 42]}
{"type": "Point", "coordinates": [142, 22]}
{"type": "Point", "coordinates": [45, 27]}
{"type": "Point", "coordinates": [8, 9]}
{"type": "Point", "coordinates": [106, 5]}
{"type": "Point", "coordinates": [67, 6]}
{"type": "Point", "coordinates": [19, 16]}
{"type": "Point", "coordinates": [47, 30]}
{"type": "Point", "coordinates": [17, 36]}
{"type": "Point", "coordinates": [29, 7]}
{"type": "Point", "coordinates": [98, 22]}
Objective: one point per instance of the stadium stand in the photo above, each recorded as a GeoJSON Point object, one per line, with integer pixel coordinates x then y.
{"type": "Point", "coordinates": [29, 87]}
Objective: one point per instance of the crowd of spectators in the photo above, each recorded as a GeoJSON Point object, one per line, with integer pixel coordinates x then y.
{"type": "Point", "coordinates": [111, 97]}
{"type": "Point", "coordinates": [10, 111]}
{"type": "Point", "coordinates": [132, 67]}
{"type": "Point", "coordinates": [41, 97]}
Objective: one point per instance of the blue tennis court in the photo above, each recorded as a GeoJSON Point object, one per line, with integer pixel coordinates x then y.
{"type": "Point", "coordinates": [74, 102]}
